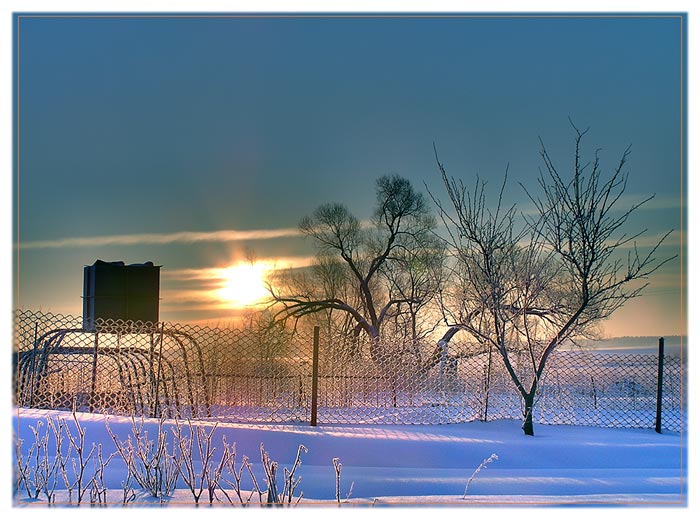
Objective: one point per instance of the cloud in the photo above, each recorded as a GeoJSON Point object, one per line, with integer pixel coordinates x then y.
{"type": "Point", "coordinates": [187, 237]}
{"type": "Point", "coordinates": [674, 239]}
{"type": "Point", "coordinates": [194, 274]}
{"type": "Point", "coordinates": [626, 202]}
{"type": "Point", "coordinates": [199, 288]}
{"type": "Point", "coordinates": [658, 202]}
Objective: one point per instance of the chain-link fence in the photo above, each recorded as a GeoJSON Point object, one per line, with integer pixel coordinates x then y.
{"type": "Point", "coordinates": [266, 375]}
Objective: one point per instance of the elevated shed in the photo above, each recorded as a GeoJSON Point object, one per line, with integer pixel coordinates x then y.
{"type": "Point", "coordinates": [117, 291]}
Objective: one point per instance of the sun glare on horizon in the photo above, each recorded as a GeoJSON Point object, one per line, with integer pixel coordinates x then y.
{"type": "Point", "coordinates": [243, 285]}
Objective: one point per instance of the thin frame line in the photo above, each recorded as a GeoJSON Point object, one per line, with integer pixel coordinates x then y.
{"type": "Point", "coordinates": [321, 16]}
{"type": "Point", "coordinates": [17, 297]}
{"type": "Point", "coordinates": [682, 313]}
{"type": "Point", "coordinates": [387, 16]}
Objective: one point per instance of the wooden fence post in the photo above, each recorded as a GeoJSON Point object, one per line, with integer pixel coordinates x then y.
{"type": "Point", "coordinates": [314, 379]}
{"type": "Point", "coordinates": [659, 385]}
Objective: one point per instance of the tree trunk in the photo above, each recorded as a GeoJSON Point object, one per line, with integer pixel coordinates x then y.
{"type": "Point", "coordinates": [441, 347]}
{"type": "Point", "coordinates": [374, 346]}
{"type": "Point", "coordinates": [527, 413]}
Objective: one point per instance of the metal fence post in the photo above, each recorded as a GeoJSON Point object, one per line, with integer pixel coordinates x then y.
{"type": "Point", "coordinates": [488, 386]}
{"type": "Point", "coordinates": [35, 347]}
{"type": "Point", "coordinates": [93, 386]}
{"type": "Point", "coordinates": [659, 385]}
{"type": "Point", "coordinates": [314, 379]}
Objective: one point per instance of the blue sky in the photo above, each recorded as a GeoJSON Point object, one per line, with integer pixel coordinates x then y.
{"type": "Point", "coordinates": [135, 130]}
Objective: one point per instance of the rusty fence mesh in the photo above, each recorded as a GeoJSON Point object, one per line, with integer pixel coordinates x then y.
{"type": "Point", "coordinates": [266, 375]}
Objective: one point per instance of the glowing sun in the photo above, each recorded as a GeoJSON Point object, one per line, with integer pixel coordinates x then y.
{"type": "Point", "coordinates": [243, 284]}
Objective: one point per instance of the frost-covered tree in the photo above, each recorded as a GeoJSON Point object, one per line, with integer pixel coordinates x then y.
{"type": "Point", "coordinates": [326, 279]}
{"type": "Point", "coordinates": [522, 285]}
{"type": "Point", "coordinates": [369, 274]}
{"type": "Point", "coordinates": [413, 278]}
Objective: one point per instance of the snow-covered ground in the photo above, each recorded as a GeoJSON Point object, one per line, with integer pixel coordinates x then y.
{"type": "Point", "coordinates": [431, 465]}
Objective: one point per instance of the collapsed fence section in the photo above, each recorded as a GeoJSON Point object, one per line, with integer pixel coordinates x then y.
{"type": "Point", "coordinates": [271, 375]}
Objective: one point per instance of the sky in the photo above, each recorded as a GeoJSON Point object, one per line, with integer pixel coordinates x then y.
{"type": "Point", "coordinates": [195, 142]}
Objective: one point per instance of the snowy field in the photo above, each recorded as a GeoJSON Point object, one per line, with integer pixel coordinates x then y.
{"type": "Point", "coordinates": [422, 465]}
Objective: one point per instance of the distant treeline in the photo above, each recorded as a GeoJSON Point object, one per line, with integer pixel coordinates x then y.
{"type": "Point", "coordinates": [639, 341]}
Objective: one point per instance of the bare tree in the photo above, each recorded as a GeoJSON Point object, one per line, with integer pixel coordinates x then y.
{"type": "Point", "coordinates": [414, 277]}
{"type": "Point", "coordinates": [327, 279]}
{"type": "Point", "coordinates": [352, 258]}
{"type": "Point", "coordinates": [524, 286]}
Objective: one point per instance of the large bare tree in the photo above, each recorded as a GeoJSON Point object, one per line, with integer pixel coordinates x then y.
{"type": "Point", "coordinates": [359, 264]}
{"type": "Point", "coordinates": [413, 277]}
{"type": "Point", "coordinates": [524, 284]}
{"type": "Point", "coordinates": [325, 280]}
